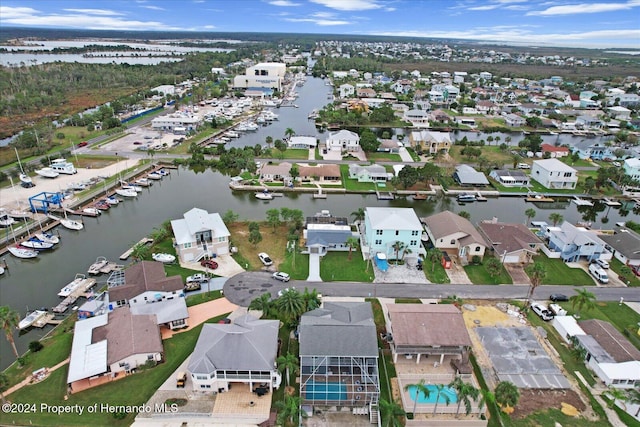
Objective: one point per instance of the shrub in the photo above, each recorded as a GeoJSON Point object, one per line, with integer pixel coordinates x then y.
{"type": "Point", "coordinates": [475, 260]}
{"type": "Point", "coordinates": [35, 346]}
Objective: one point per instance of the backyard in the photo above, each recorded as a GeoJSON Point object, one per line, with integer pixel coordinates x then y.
{"type": "Point", "coordinates": [559, 273]}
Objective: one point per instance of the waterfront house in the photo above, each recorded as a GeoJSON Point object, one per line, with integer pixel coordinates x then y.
{"type": "Point", "coordinates": [632, 168]}
{"type": "Point", "coordinates": [242, 352]}
{"type": "Point", "coordinates": [624, 244]}
{"type": "Point", "coordinates": [324, 232]}
{"type": "Point", "coordinates": [344, 141]}
{"type": "Point", "coordinates": [263, 75]}
{"type": "Point", "coordinates": [275, 172]}
{"type": "Point", "coordinates": [365, 92]}
{"type": "Point", "coordinates": [432, 142]}
{"type": "Point", "coordinates": [346, 90]}
{"type": "Point", "coordinates": [429, 331]}
{"type": "Point", "coordinates": [417, 118]}
{"type": "Point", "coordinates": [146, 284]}
{"type": "Point", "coordinates": [368, 173]}
{"type": "Point", "coordinates": [609, 354]}
{"type": "Point", "coordinates": [576, 243]}
{"type": "Point", "coordinates": [177, 122]}
{"type": "Point", "coordinates": [113, 343]}
{"type": "Point", "coordinates": [588, 150]}
{"type": "Point", "coordinates": [619, 113]}
{"type": "Point", "coordinates": [588, 122]}
{"type": "Point", "coordinates": [511, 243]}
{"type": "Point", "coordinates": [485, 107]}
{"type": "Point", "coordinates": [510, 178]}
{"type": "Point", "coordinates": [553, 174]}
{"type": "Point", "coordinates": [456, 235]}
{"type": "Point", "coordinates": [339, 356]}
{"type": "Point", "coordinates": [328, 173]}
{"type": "Point", "coordinates": [384, 227]}
{"type": "Point", "coordinates": [200, 234]}
{"type": "Point", "coordinates": [467, 176]}
{"type": "Point", "coordinates": [302, 142]}
{"type": "Point", "coordinates": [513, 120]}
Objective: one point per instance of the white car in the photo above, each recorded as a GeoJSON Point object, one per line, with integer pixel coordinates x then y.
{"type": "Point", "coordinates": [266, 260]}
{"type": "Point", "coordinates": [279, 275]}
{"type": "Point", "coordinates": [197, 278]}
{"type": "Point", "coordinates": [523, 166]}
{"type": "Point", "coordinates": [541, 311]}
{"type": "Point", "coordinates": [602, 263]}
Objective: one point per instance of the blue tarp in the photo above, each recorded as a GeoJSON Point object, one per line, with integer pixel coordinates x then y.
{"type": "Point", "coordinates": [382, 263]}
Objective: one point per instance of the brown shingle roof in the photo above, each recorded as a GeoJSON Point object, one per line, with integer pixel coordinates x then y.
{"type": "Point", "coordinates": [320, 170]}
{"type": "Point", "coordinates": [446, 223]}
{"type": "Point", "coordinates": [145, 276]}
{"type": "Point", "coordinates": [127, 335]}
{"type": "Point", "coordinates": [611, 340]}
{"type": "Point", "coordinates": [509, 237]}
{"type": "Point", "coordinates": [428, 325]}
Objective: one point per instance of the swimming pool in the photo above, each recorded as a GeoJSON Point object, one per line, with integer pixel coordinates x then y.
{"type": "Point", "coordinates": [326, 391]}
{"type": "Point", "coordinates": [447, 391]}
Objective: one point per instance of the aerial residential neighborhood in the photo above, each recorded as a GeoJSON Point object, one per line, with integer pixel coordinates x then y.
{"type": "Point", "coordinates": [320, 213]}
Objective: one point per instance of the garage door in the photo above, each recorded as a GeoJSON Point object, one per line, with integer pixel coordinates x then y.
{"type": "Point", "coordinates": [510, 259]}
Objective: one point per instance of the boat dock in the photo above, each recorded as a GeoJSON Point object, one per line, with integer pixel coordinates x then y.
{"type": "Point", "coordinates": [128, 252]}
{"type": "Point", "coordinates": [81, 213]}
{"type": "Point", "coordinates": [111, 266]}
{"type": "Point", "coordinates": [47, 319]}
{"type": "Point", "coordinates": [384, 195]}
{"type": "Point", "coordinates": [80, 291]}
{"type": "Point", "coordinates": [581, 202]}
{"type": "Point", "coordinates": [610, 202]}
{"type": "Point", "coordinates": [480, 197]}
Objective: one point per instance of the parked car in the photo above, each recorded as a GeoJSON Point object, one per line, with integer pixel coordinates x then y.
{"type": "Point", "coordinates": [542, 311]}
{"type": "Point", "coordinates": [523, 166]}
{"type": "Point", "coordinates": [599, 273]}
{"type": "Point", "coordinates": [83, 144]}
{"type": "Point", "coordinates": [181, 379]}
{"type": "Point", "coordinates": [602, 263]}
{"type": "Point", "coordinates": [558, 297]}
{"type": "Point", "coordinates": [197, 278]}
{"type": "Point", "coordinates": [279, 275]}
{"type": "Point", "coordinates": [209, 263]}
{"type": "Point", "coordinates": [266, 260]}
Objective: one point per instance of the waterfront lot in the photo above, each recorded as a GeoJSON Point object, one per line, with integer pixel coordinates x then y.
{"type": "Point", "coordinates": [559, 273]}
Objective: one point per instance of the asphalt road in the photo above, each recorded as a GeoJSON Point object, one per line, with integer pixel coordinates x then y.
{"type": "Point", "coordinates": [242, 288]}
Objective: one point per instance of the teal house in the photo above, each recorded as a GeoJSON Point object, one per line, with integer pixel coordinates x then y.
{"type": "Point", "coordinates": [384, 227]}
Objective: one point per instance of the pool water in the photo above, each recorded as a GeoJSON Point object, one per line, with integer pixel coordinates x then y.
{"type": "Point", "coordinates": [326, 391]}
{"type": "Point", "coordinates": [447, 391]}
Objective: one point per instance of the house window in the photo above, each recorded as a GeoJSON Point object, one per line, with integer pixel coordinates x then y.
{"type": "Point", "coordinates": [414, 233]}
{"type": "Point", "coordinates": [477, 248]}
{"type": "Point", "coordinates": [413, 243]}
{"type": "Point", "coordinates": [378, 242]}
{"type": "Point", "coordinates": [378, 232]}
{"type": "Point", "coordinates": [222, 239]}
{"type": "Point", "coordinates": [179, 322]}
{"type": "Point", "coordinates": [202, 377]}
{"type": "Point", "coordinates": [453, 242]}
{"type": "Point", "coordinates": [187, 245]}
{"type": "Point", "coordinates": [397, 232]}
{"type": "Point", "coordinates": [122, 364]}
{"type": "Point", "coordinates": [568, 174]}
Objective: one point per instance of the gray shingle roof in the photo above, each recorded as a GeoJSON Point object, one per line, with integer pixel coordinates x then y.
{"type": "Point", "coordinates": [466, 175]}
{"type": "Point", "coordinates": [614, 343]}
{"type": "Point", "coordinates": [627, 242]}
{"type": "Point", "coordinates": [145, 276]}
{"type": "Point", "coordinates": [393, 218]}
{"type": "Point", "coordinates": [248, 344]}
{"type": "Point", "coordinates": [339, 329]}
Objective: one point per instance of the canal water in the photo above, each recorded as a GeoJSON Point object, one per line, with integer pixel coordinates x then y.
{"type": "Point", "coordinates": [30, 284]}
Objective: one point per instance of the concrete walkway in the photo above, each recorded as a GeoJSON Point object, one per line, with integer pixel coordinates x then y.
{"type": "Point", "coordinates": [597, 392]}
{"type": "Point", "coordinates": [28, 380]}
{"type": "Point", "coordinates": [201, 313]}
{"type": "Point", "coordinates": [404, 155]}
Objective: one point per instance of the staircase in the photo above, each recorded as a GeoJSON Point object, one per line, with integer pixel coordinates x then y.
{"type": "Point", "coordinates": [374, 413]}
{"type": "Point", "coordinates": [569, 255]}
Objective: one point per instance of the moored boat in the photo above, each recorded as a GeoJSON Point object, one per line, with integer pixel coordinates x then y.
{"type": "Point", "coordinates": [101, 262]}
{"type": "Point", "coordinates": [264, 195]}
{"type": "Point", "coordinates": [22, 252]}
{"type": "Point", "coordinates": [47, 237]}
{"type": "Point", "coordinates": [126, 192]}
{"type": "Point", "coordinates": [31, 318]}
{"type": "Point", "coordinates": [71, 224]}
{"type": "Point", "coordinates": [37, 244]}
{"type": "Point", "coordinates": [47, 173]}
{"type": "Point", "coordinates": [91, 211]}
{"type": "Point", "coordinates": [102, 205]}
{"type": "Point", "coordinates": [163, 172]}
{"type": "Point", "coordinates": [163, 258]}
{"type": "Point", "coordinates": [112, 201]}
{"type": "Point", "coordinates": [75, 284]}
{"type": "Point", "coordinates": [154, 175]}
{"type": "Point", "coordinates": [143, 182]}
{"type": "Point", "coordinates": [464, 197]}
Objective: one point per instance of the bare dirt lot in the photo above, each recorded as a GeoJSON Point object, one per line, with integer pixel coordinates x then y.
{"type": "Point", "coordinates": [534, 400]}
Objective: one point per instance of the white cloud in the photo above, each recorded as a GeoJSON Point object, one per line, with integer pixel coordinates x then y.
{"type": "Point", "coordinates": [323, 15]}
{"type": "Point", "coordinates": [572, 9]}
{"type": "Point", "coordinates": [319, 21]}
{"type": "Point", "coordinates": [8, 12]}
{"type": "Point", "coordinates": [390, 9]}
{"type": "Point", "coordinates": [100, 12]}
{"type": "Point", "coordinates": [485, 7]}
{"type": "Point", "coordinates": [209, 27]}
{"type": "Point", "coordinates": [284, 3]}
{"type": "Point", "coordinates": [349, 4]}
{"type": "Point", "coordinates": [153, 7]}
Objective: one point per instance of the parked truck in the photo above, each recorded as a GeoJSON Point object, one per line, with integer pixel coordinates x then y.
{"type": "Point", "coordinates": [181, 379]}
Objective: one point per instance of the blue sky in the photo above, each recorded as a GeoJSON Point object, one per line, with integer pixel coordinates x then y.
{"type": "Point", "coordinates": [582, 23]}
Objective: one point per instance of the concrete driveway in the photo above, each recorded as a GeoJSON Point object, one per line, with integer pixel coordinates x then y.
{"type": "Point", "coordinates": [456, 273]}
{"type": "Point", "coordinates": [517, 273]}
{"type": "Point", "coordinates": [406, 273]}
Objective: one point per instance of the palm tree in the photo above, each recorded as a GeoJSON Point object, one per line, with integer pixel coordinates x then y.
{"type": "Point", "coordinates": [390, 411]}
{"type": "Point", "coordinates": [269, 141]}
{"type": "Point", "coordinates": [398, 246]}
{"type": "Point", "coordinates": [507, 394]}
{"type": "Point", "coordinates": [434, 256]}
{"type": "Point", "coordinates": [633, 397]}
{"type": "Point", "coordinates": [352, 243]}
{"type": "Point", "coordinates": [140, 251]}
{"type": "Point", "coordinates": [289, 410]}
{"type": "Point", "coordinates": [420, 388]}
{"type": "Point", "coordinates": [290, 304]}
{"type": "Point", "coordinates": [358, 215]}
{"type": "Point", "coordinates": [287, 363]}
{"type": "Point", "coordinates": [447, 400]}
{"type": "Point", "coordinates": [407, 250]}
{"type": "Point", "coordinates": [311, 299]}
{"type": "Point", "coordinates": [9, 320]}
{"type": "Point", "coordinates": [583, 299]}
{"type": "Point", "coordinates": [289, 132]}
{"type": "Point", "coordinates": [536, 272]}
{"type": "Point", "coordinates": [530, 213]}
{"type": "Point", "coordinates": [464, 391]}
{"type": "Point", "coordinates": [617, 394]}
{"type": "Point", "coordinates": [556, 217]}
{"type": "Point", "coordinates": [4, 385]}
{"type": "Point", "coordinates": [262, 303]}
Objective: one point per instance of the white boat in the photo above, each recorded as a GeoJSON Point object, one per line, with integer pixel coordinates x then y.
{"type": "Point", "coordinates": [21, 252]}
{"type": "Point", "coordinates": [47, 173]}
{"type": "Point", "coordinates": [143, 182]}
{"type": "Point", "coordinates": [63, 166]}
{"type": "Point", "coordinates": [92, 211]}
{"type": "Point", "coordinates": [1, 271]}
{"type": "Point", "coordinates": [126, 192]}
{"type": "Point", "coordinates": [47, 237]}
{"type": "Point", "coordinates": [26, 181]}
{"type": "Point", "coordinates": [19, 214]}
{"type": "Point", "coordinates": [264, 195]}
{"type": "Point", "coordinates": [112, 201]}
{"type": "Point", "coordinates": [154, 175]}
{"type": "Point", "coordinates": [37, 244]}
{"type": "Point", "coordinates": [251, 126]}
{"type": "Point", "coordinates": [136, 188]}
{"type": "Point", "coordinates": [163, 258]}
{"type": "Point", "coordinates": [31, 318]}
{"type": "Point", "coordinates": [232, 134]}
{"type": "Point", "coordinates": [466, 197]}
{"type": "Point", "coordinates": [71, 224]}
{"type": "Point", "coordinates": [75, 284]}
{"type": "Point", "coordinates": [163, 172]}
{"type": "Point", "coordinates": [101, 262]}
{"type": "Point", "coordinates": [5, 219]}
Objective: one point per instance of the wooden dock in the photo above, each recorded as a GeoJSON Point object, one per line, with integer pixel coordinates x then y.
{"type": "Point", "coordinates": [384, 195]}
{"type": "Point", "coordinates": [128, 252]}
{"type": "Point", "coordinates": [80, 213]}
{"type": "Point", "coordinates": [47, 319]}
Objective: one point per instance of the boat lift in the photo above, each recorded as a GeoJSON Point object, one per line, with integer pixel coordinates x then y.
{"type": "Point", "coordinates": [43, 202]}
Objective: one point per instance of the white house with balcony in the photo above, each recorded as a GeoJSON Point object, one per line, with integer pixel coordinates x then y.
{"type": "Point", "coordinates": [200, 234]}
{"type": "Point", "coordinates": [553, 174]}
{"type": "Point", "coordinates": [343, 140]}
{"type": "Point", "coordinates": [263, 75]}
{"type": "Point", "coordinates": [632, 168]}
{"type": "Point", "coordinates": [384, 227]}
{"type": "Point", "coordinates": [177, 122]}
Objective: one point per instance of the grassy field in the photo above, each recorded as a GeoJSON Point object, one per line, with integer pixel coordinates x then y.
{"type": "Point", "coordinates": [491, 153]}
{"type": "Point", "coordinates": [435, 273]}
{"type": "Point", "coordinates": [274, 242]}
{"type": "Point", "coordinates": [632, 279]}
{"type": "Point", "coordinates": [336, 266]}
{"type": "Point", "coordinates": [558, 273]}
{"type": "Point", "coordinates": [353, 184]}
{"type": "Point", "coordinates": [479, 275]}
{"type": "Point", "coordinates": [390, 157]}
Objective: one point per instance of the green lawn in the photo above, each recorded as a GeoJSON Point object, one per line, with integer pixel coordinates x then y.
{"type": "Point", "coordinates": [479, 275]}
{"type": "Point", "coordinates": [616, 266]}
{"type": "Point", "coordinates": [132, 390]}
{"type": "Point", "coordinates": [298, 268]}
{"type": "Point", "coordinates": [295, 154]}
{"type": "Point", "coordinates": [336, 266]}
{"type": "Point", "coordinates": [353, 184]}
{"type": "Point", "coordinates": [435, 273]}
{"type": "Point", "coordinates": [390, 157]}
{"type": "Point", "coordinates": [558, 273]}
